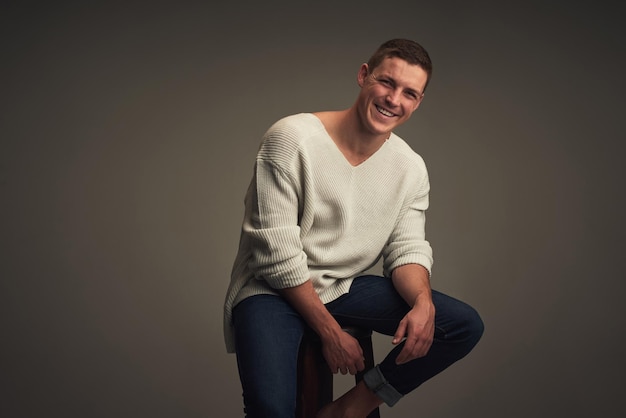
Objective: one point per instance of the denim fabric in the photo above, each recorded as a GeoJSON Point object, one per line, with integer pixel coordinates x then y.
{"type": "Point", "coordinates": [268, 333]}
{"type": "Point", "coordinates": [377, 383]}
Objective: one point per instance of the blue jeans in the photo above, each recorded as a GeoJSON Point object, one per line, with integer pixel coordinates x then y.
{"type": "Point", "coordinates": [268, 333]}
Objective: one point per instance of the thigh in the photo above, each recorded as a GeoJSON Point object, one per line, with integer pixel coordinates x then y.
{"type": "Point", "coordinates": [267, 337]}
{"type": "Point", "coordinates": [373, 303]}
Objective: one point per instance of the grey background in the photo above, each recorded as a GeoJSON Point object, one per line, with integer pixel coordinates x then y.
{"type": "Point", "coordinates": [128, 136]}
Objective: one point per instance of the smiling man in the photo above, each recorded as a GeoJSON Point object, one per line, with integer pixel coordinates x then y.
{"type": "Point", "coordinates": [333, 192]}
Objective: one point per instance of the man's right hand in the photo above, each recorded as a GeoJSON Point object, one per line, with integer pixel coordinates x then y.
{"type": "Point", "coordinates": [343, 353]}
{"type": "Point", "coordinates": [341, 350]}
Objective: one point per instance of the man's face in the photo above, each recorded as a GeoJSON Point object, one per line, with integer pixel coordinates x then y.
{"type": "Point", "coordinates": [390, 94]}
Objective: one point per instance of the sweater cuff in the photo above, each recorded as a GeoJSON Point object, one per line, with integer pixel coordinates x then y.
{"type": "Point", "coordinates": [294, 276]}
{"type": "Point", "coordinates": [421, 259]}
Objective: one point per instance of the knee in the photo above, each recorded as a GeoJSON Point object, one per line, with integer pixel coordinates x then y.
{"type": "Point", "coordinates": [473, 326]}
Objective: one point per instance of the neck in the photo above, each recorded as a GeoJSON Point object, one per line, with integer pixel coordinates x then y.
{"type": "Point", "coordinates": [353, 135]}
{"type": "Point", "coordinates": [346, 130]}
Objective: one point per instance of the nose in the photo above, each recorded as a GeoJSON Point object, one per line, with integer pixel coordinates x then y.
{"type": "Point", "coordinates": [393, 97]}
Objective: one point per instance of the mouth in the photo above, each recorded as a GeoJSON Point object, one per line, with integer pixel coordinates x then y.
{"type": "Point", "coordinates": [384, 111]}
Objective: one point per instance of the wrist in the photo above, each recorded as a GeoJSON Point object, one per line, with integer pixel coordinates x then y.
{"type": "Point", "coordinates": [329, 332]}
{"type": "Point", "coordinates": [423, 299]}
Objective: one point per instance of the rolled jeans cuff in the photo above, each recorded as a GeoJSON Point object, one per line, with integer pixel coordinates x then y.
{"type": "Point", "coordinates": [377, 383]}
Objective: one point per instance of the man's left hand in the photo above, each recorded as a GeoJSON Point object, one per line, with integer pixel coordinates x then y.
{"type": "Point", "coordinates": [418, 329]}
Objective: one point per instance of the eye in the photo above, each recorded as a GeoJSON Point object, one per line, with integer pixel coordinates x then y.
{"type": "Point", "coordinates": [412, 94]}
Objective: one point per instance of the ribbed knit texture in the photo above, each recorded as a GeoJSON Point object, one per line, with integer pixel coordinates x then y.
{"type": "Point", "coordinates": [309, 214]}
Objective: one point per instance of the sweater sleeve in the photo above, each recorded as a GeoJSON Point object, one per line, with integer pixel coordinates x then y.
{"type": "Point", "coordinates": [407, 243]}
{"type": "Point", "coordinates": [272, 229]}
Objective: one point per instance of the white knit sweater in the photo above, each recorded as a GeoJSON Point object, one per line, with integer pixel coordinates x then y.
{"type": "Point", "coordinates": [309, 214]}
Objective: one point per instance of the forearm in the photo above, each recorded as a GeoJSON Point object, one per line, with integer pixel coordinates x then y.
{"type": "Point", "coordinates": [412, 282]}
{"type": "Point", "coordinates": [341, 351]}
{"type": "Point", "coordinates": [307, 303]}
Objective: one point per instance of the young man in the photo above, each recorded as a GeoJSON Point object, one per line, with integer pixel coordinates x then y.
{"type": "Point", "coordinates": [332, 192]}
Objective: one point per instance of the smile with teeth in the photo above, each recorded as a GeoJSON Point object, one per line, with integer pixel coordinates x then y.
{"type": "Point", "coordinates": [384, 111]}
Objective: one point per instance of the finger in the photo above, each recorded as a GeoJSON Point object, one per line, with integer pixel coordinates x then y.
{"type": "Point", "coordinates": [412, 350]}
{"type": "Point", "coordinates": [360, 364]}
{"type": "Point", "coordinates": [357, 366]}
{"type": "Point", "coordinates": [408, 351]}
{"type": "Point", "coordinates": [402, 357]}
{"type": "Point", "coordinates": [400, 333]}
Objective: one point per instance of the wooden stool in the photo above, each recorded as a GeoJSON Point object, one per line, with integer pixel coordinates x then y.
{"type": "Point", "coordinates": [315, 380]}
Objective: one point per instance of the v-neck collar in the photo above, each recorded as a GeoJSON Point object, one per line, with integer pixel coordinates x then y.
{"type": "Point", "coordinates": [340, 153]}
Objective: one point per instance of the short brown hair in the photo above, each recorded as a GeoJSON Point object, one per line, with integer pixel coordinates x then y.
{"type": "Point", "coordinates": [406, 49]}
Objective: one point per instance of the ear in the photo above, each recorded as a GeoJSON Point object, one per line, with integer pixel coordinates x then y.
{"type": "Point", "coordinates": [362, 74]}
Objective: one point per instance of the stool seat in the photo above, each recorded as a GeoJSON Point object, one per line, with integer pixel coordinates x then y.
{"type": "Point", "coordinates": [315, 379]}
